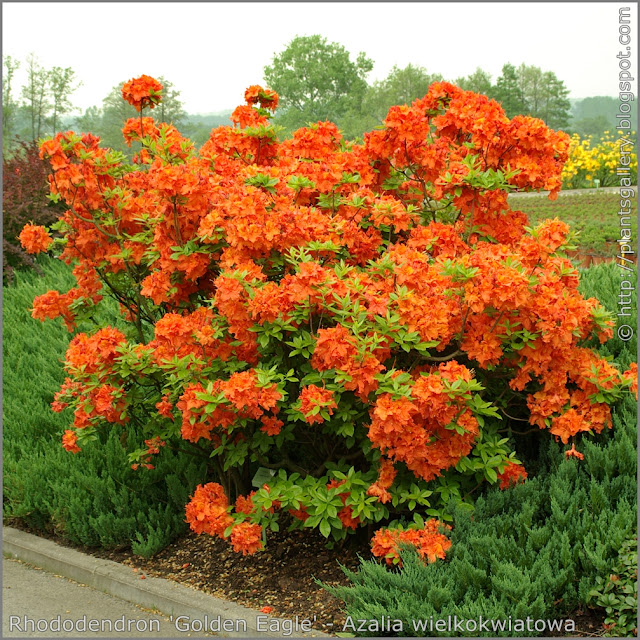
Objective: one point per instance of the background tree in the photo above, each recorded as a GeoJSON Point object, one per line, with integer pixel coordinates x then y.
{"type": "Point", "coordinates": [554, 105]}
{"type": "Point", "coordinates": [479, 82]}
{"type": "Point", "coordinates": [171, 108]}
{"type": "Point", "coordinates": [9, 104]}
{"type": "Point", "coordinates": [401, 86]}
{"type": "Point", "coordinates": [89, 121]}
{"type": "Point", "coordinates": [530, 83]}
{"type": "Point", "coordinates": [508, 93]}
{"type": "Point", "coordinates": [115, 112]}
{"type": "Point", "coordinates": [35, 96]}
{"type": "Point", "coordinates": [316, 81]}
{"type": "Point", "coordinates": [61, 85]}
{"type": "Point", "coordinates": [545, 96]}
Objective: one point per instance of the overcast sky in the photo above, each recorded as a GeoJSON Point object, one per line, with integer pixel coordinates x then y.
{"type": "Point", "coordinates": [213, 51]}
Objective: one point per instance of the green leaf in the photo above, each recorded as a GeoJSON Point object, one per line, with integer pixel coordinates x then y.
{"type": "Point", "coordinates": [325, 528]}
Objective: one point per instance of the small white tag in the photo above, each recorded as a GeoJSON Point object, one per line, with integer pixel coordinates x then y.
{"type": "Point", "coordinates": [263, 475]}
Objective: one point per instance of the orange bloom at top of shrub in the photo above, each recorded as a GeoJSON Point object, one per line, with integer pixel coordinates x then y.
{"type": "Point", "coordinates": [142, 92]}
{"type": "Point", "coordinates": [267, 98]}
{"type": "Point", "coordinates": [35, 238]}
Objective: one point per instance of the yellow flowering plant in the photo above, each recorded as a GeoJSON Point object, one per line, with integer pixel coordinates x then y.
{"type": "Point", "coordinates": [594, 165]}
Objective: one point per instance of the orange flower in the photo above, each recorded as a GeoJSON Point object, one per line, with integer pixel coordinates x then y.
{"type": "Point", "coordinates": [346, 513]}
{"type": "Point", "coordinates": [386, 476]}
{"type": "Point", "coordinates": [267, 98]}
{"type": "Point", "coordinates": [142, 92]}
{"type": "Point", "coordinates": [429, 542]}
{"type": "Point", "coordinates": [512, 474]}
{"type": "Point", "coordinates": [300, 514]}
{"type": "Point", "coordinates": [271, 425]}
{"type": "Point", "coordinates": [138, 128]}
{"type": "Point", "coordinates": [35, 238]}
{"type": "Point", "coordinates": [266, 609]}
{"type": "Point", "coordinates": [245, 505]}
{"type": "Point", "coordinates": [246, 537]}
{"type": "Point", "coordinates": [346, 517]}
{"type": "Point", "coordinates": [252, 94]}
{"type": "Point", "coordinates": [164, 407]}
{"type": "Point", "coordinates": [631, 374]}
{"type": "Point", "coordinates": [568, 424]}
{"type": "Point", "coordinates": [94, 354]}
{"type": "Point", "coordinates": [53, 304]}
{"type": "Point", "coordinates": [69, 440]}
{"type": "Point", "coordinates": [574, 453]}
{"type": "Point", "coordinates": [313, 396]}
{"type": "Point", "coordinates": [207, 511]}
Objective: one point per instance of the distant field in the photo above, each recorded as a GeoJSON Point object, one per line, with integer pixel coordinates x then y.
{"type": "Point", "coordinates": [593, 214]}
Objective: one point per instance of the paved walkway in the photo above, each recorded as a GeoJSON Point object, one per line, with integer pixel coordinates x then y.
{"type": "Point", "coordinates": [55, 603]}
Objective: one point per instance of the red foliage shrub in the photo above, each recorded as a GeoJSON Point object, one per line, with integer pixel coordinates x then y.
{"type": "Point", "coordinates": [25, 188]}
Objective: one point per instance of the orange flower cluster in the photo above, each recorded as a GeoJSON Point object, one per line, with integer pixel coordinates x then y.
{"type": "Point", "coordinates": [386, 476]}
{"type": "Point", "coordinates": [417, 429]}
{"type": "Point", "coordinates": [94, 354]}
{"type": "Point", "coordinates": [177, 336]}
{"type": "Point", "coordinates": [336, 349]}
{"type": "Point", "coordinates": [267, 98]}
{"type": "Point", "coordinates": [207, 510]}
{"type": "Point", "coordinates": [69, 441]}
{"type": "Point", "coordinates": [311, 397]}
{"type": "Point", "coordinates": [456, 124]}
{"type": "Point", "coordinates": [346, 513]}
{"type": "Point", "coordinates": [247, 538]}
{"type": "Point", "coordinates": [142, 92]}
{"type": "Point", "coordinates": [512, 474]}
{"type": "Point", "coordinates": [241, 398]}
{"type": "Point", "coordinates": [35, 238]}
{"type": "Point", "coordinates": [54, 305]}
{"type": "Point", "coordinates": [429, 542]}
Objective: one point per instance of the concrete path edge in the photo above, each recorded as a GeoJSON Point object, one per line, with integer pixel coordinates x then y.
{"type": "Point", "coordinates": [166, 596]}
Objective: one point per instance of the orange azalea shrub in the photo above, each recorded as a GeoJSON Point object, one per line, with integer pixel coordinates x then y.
{"type": "Point", "coordinates": [343, 327]}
